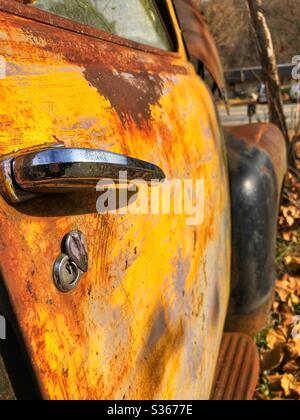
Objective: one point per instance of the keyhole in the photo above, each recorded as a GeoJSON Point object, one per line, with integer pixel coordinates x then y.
{"type": "Point", "coordinates": [66, 274]}
{"type": "Point", "coordinates": [72, 272]}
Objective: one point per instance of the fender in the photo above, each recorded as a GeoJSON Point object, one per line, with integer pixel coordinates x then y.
{"type": "Point", "coordinates": [257, 159]}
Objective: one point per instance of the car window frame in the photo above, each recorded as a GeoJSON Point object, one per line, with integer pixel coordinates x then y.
{"type": "Point", "coordinates": [28, 12]}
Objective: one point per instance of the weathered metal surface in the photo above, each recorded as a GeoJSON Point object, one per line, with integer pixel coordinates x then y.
{"type": "Point", "coordinates": [199, 40]}
{"type": "Point", "coordinates": [251, 322]}
{"type": "Point", "coordinates": [237, 370]}
{"type": "Point", "coordinates": [17, 7]}
{"type": "Point", "coordinates": [148, 318]}
{"type": "Point", "coordinates": [257, 166]}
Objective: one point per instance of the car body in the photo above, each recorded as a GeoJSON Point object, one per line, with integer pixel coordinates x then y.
{"type": "Point", "coordinates": [262, 94]}
{"type": "Point", "coordinates": [147, 318]}
{"type": "Point", "coordinates": [295, 92]}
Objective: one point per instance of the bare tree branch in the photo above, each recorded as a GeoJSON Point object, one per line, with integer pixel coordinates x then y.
{"type": "Point", "coordinates": [269, 64]}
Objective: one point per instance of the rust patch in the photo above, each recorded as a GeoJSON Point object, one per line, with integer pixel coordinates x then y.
{"type": "Point", "coordinates": [132, 82]}
{"type": "Point", "coordinates": [18, 7]}
{"type": "Point", "coordinates": [250, 323]}
{"type": "Point", "coordinates": [134, 95]}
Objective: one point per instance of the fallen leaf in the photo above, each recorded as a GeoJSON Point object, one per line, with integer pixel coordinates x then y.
{"type": "Point", "coordinates": [276, 337]}
{"type": "Point", "coordinates": [294, 299]}
{"type": "Point", "coordinates": [275, 382]}
{"type": "Point", "coordinates": [272, 359]}
{"type": "Point", "coordinates": [286, 311]}
{"type": "Point", "coordinates": [293, 263]}
{"type": "Point", "coordinates": [283, 293]}
{"type": "Point", "coordinates": [297, 150]}
{"type": "Point", "coordinates": [288, 320]}
{"type": "Point", "coordinates": [261, 397]}
{"type": "Point", "coordinates": [290, 385]}
{"type": "Point", "coordinates": [292, 366]}
{"type": "Point", "coordinates": [293, 348]}
{"type": "Point", "coordinates": [290, 236]}
{"type": "Point", "coordinates": [290, 214]}
{"type": "Point", "coordinates": [280, 356]}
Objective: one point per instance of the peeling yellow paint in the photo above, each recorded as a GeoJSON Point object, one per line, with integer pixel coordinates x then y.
{"type": "Point", "coordinates": [147, 319]}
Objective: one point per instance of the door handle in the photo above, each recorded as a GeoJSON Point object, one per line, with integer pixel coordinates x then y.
{"type": "Point", "coordinates": [60, 170]}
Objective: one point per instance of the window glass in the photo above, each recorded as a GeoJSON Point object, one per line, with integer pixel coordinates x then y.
{"type": "Point", "coordinates": [137, 20]}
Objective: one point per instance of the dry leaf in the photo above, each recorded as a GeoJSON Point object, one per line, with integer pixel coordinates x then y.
{"type": "Point", "coordinates": [294, 299]}
{"type": "Point", "coordinates": [293, 263]}
{"type": "Point", "coordinates": [290, 213]}
{"type": "Point", "coordinates": [292, 366]}
{"type": "Point", "coordinates": [295, 285]}
{"type": "Point", "coordinates": [275, 382]}
{"type": "Point", "coordinates": [272, 359]}
{"type": "Point", "coordinates": [283, 293]}
{"type": "Point", "coordinates": [293, 348]}
{"type": "Point", "coordinates": [282, 358]}
{"type": "Point", "coordinates": [297, 150]}
{"type": "Point", "coordinates": [276, 337]}
{"type": "Point", "coordinates": [290, 385]}
{"type": "Point", "coordinates": [288, 320]}
{"type": "Point", "coordinates": [261, 397]}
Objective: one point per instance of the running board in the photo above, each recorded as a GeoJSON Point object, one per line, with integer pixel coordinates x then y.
{"type": "Point", "coordinates": [237, 369]}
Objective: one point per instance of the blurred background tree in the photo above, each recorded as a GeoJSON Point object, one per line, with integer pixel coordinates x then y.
{"type": "Point", "coordinates": [229, 23]}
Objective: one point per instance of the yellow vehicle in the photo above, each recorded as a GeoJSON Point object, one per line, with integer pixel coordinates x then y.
{"type": "Point", "coordinates": [122, 305]}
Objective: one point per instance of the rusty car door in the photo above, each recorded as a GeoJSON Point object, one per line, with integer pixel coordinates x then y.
{"type": "Point", "coordinates": [146, 320]}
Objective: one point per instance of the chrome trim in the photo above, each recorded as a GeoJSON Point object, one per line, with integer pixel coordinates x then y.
{"type": "Point", "coordinates": [59, 170]}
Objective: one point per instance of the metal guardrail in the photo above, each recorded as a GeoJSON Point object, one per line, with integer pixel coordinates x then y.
{"type": "Point", "coordinates": [2, 328]}
{"type": "Point", "coordinates": [254, 74]}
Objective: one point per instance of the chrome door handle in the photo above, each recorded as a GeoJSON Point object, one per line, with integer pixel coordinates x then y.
{"type": "Point", "coordinates": [58, 170]}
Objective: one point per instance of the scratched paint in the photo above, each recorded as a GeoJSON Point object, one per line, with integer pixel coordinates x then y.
{"type": "Point", "coordinates": [147, 320]}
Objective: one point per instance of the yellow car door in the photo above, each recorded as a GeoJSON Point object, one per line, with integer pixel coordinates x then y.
{"type": "Point", "coordinates": [145, 319]}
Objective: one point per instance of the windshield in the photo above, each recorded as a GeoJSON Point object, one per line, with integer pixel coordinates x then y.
{"type": "Point", "coordinates": [137, 20]}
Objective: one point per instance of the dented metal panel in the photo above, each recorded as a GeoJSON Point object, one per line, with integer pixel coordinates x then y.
{"type": "Point", "coordinates": [146, 321]}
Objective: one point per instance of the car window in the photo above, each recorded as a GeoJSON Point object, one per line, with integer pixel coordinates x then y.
{"type": "Point", "coordinates": [137, 20]}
